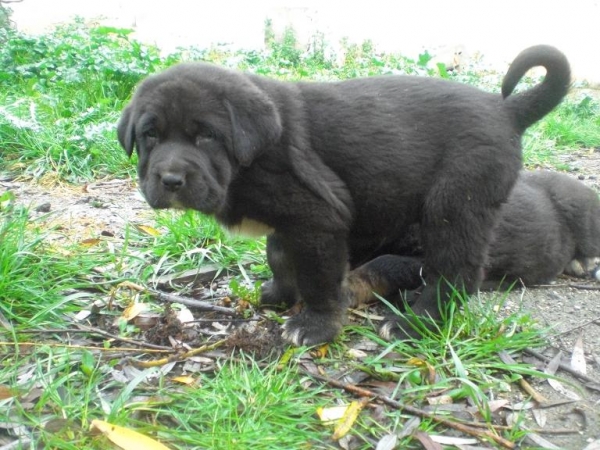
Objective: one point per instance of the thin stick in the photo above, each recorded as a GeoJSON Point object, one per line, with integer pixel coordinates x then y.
{"type": "Point", "coordinates": [587, 287]}
{"type": "Point", "coordinates": [562, 366]}
{"type": "Point", "coordinates": [125, 340]}
{"type": "Point", "coordinates": [205, 306]}
{"type": "Point", "coordinates": [82, 347]}
{"type": "Point", "coordinates": [507, 359]}
{"type": "Point", "coordinates": [87, 329]}
{"type": "Point", "coordinates": [361, 392]}
{"type": "Point", "coordinates": [178, 357]}
{"type": "Point", "coordinates": [578, 327]}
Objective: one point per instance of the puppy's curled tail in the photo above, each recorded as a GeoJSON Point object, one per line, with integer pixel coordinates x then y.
{"type": "Point", "coordinates": [530, 106]}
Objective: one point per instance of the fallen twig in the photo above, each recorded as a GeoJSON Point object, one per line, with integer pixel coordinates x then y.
{"type": "Point", "coordinates": [179, 356]}
{"type": "Point", "coordinates": [588, 287]}
{"type": "Point", "coordinates": [361, 392]}
{"type": "Point", "coordinates": [122, 339]}
{"type": "Point", "coordinates": [82, 347]}
{"type": "Point", "coordinates": [578, 327]}
{"type": "Point", "coordinates": [87, 329]}
{"type": "Point", "coordinates": [507, 359]}
{"type": "Point", "coordinates": [205, 306]}
{"type": "Point", "coordinates": [562, 366]}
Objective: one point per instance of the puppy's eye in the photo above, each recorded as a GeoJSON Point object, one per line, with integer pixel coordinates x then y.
{"type": "Point", "coordinates": [204, 133]}
{"type": "Point", "coordinates": [150, 133]}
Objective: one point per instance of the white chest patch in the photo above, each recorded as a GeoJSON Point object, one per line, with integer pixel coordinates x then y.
{"type": "Point", "coordinates": [250, 228]}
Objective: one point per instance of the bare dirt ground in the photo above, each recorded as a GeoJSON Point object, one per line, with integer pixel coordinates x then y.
{"type": "Point", "coordinates": [570, 306]}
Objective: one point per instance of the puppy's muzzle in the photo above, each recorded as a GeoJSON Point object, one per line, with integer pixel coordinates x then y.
{"type": "Point", "coordinates": [172, 182]}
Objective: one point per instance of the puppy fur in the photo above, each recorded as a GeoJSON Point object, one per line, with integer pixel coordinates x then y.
{"type": "Point", "coordinates": [337, 172]}
{"type": "Point", "coordinates": [549, 226]}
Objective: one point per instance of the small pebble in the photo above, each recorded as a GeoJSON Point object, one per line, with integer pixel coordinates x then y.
{"type": "Point", "coordinates": [44, 207]}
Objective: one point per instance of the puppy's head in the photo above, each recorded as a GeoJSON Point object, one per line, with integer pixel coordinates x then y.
{"type": "Point", "coordinates": [194, 126]}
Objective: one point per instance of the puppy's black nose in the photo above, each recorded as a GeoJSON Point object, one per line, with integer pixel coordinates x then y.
{"type": "Point", "coordinates": [172, 181]}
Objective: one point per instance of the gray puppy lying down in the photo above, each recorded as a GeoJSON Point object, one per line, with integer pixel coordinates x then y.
{"type": "Point", "coordinates": [549, 226]}
{"type": "Point", "coordinates": [338, 172]}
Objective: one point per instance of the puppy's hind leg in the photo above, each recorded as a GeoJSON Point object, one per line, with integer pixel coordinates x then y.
{"type": "Point", "coordinates": [458, 217]}
{"type": "Point", "coordinates": [386, 276]}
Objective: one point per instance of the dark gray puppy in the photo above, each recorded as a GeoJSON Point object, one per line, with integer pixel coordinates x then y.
{"type": "Point", "coordinates": [549, 221]}
{"type": "Point", "coordinates": [336, 172]}
{"type": "Point", "coordinates": [549, 226]}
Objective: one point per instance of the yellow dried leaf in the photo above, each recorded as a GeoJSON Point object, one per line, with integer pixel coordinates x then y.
{"type": "Point", "coordinates": [133, 310]}
{"type": "Point", "coordinates": [6, 392]}
{"type": "Point", "coordinates": [90, 242]}
{"type": "Point", "coordinates": [350, 416]}
{"type": "Point", "coordinates": [130, 285]}
{"type": "Point", "coordinates": [184, 379]}
{"type": "Point", "coordinates": [332, 413]}
{"type": "Point", "coordinates": [127, 439]}
{"type": "Point", "coordinates": [320, 352]}
{"type": "Point", "coordinates": [286, 357]}
{"type": "Point", "coordinates": [440, 400]}
{"type": "Point", "coordinates": [148, 230]}
{"type": "Point", "coordinates": [418, 362]}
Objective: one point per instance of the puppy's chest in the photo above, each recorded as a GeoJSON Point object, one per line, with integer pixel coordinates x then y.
{"type": "Point", "coordinates": [250, 228]}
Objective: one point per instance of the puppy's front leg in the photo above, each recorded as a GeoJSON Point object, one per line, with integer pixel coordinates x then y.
{"type": "Point", "coordinates": [282, 288]}
{"type": "Point", "coordinates": [319, 261]}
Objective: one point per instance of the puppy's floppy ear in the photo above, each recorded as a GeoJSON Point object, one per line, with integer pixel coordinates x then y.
{"type": "Point", "coordinates": [126, 130]}
{"type": "Point", "coordinates": [256, 124]}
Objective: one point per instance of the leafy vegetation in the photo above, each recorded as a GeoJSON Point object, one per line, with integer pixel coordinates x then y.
{"type": "Point", "coordinates": [60, 98]}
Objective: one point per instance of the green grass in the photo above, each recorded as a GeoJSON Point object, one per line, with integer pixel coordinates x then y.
{"type": "Point", "coordinates": [60, 98]}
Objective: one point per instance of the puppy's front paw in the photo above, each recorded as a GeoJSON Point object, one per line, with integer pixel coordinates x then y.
{"type": "Point", "coordinates": [310, 328]}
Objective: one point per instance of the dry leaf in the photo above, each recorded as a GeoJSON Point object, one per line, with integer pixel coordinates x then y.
{"type": "Point", "coordinates": [558, 387]}
{"type": "Point", "coordinates": [332, 413]}
{"type": "Point", "coordinates": [365, 315]}
{"type": "Point", "coordinates": [426, 441]}
{"type": "Point", "coordinates": [146, 321]}
{"type": "Point", "coordinates": [450, 440]}
{"type": "Point", "coordinates": [185, 379]}
{"type": "Point", "coordinates": [130, 285]}
{"type": "Point", "coordinates": [440, 400]}
{"type": "Point", "coordinates": [418, 362]}
{"type": "Point", "coordinates": [551, 369]}
{"type": "Point", "coordinates": [350, 416]}
{"type": "Point", "coordinates": [356, 354]}
{"type": "Point", "coordinates": [520, 406]}
{"type": "Point", "coordinates": [90, 242]}
{"type": "Point", "coordinates": [409, 427]}
{"type": "Point", "coordinates": [553, 364]}
{"type": "Point", "coordinates": [185, 316]}
{"type": "Point", "coordinates": [6, 392]}
{"type": "Point", "coordinates": [388, 442]}
{"type": "Point", "coordinates": [540, 417]}
{"type": "Point", "coordinates": [133, 310]}
{"type": "Point", "coordinates": [577, 357]}
{"type": "Point", "coordinates": [540, 441]}
{"type": "Point", "coordinates": [495, 405]}
{"type": "Point", "coordinates": [5, 322]}
{"type": "Point", "coordinates": [320, 352]}
{"type": "Point", "coordinates": [593, 445]}
{"type": "Point", "coordinates": [148, 230]}
{"type": "Point", "coordinates": [414, 361]}
{"type": "Point", "coordinates": [127, 439]}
